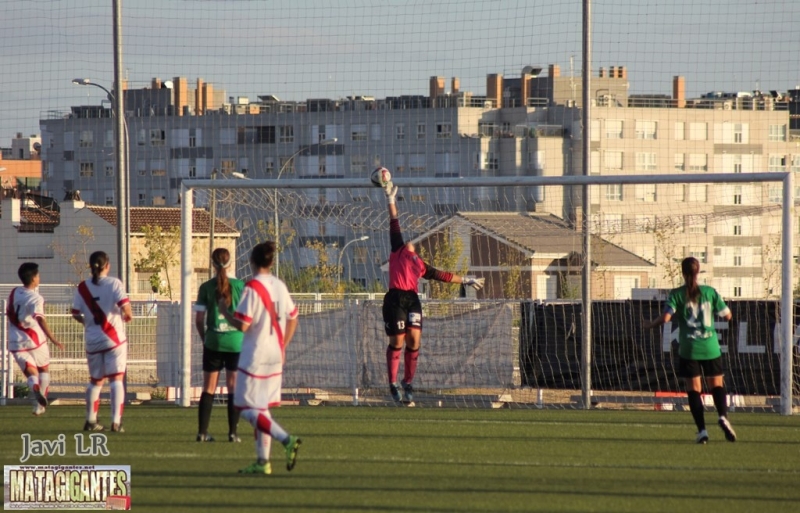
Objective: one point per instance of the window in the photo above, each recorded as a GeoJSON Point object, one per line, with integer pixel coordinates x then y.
{"type": "Point", "coordinates": [142, 199]}
{"type": "Point", "coordinates": [612, 160]}
{"type": "Point", "coordinates": [108, 141]}
{"type": "Point", "coordinates": [109, 167]}
{"type": "Point", "coordinates": [194, 135]}
{"type": "Point", "coordinates": [141, 137]}
{"type": "Point", "coordinates": [109, 198]}
{"type": "Point", "coordinates": [86, 139]}
{"type": "Point", "coordinates": [614, 192]}
{"type": "Point", "coordinates": [192, 171]}
{"type": "Point", "coordinates": [796, 163]}
{"type": "Point", "coordinates": [737, 226]}
{"type": "Point", "coordinates": [87, 169]}
{"type": "Point", "coordinates": [698, 162]}
{"type": "Point", "coordinates": [399, 163]}
{"type": "Point", "coordinates": [737, 163]}
{"type": "Point", "coordinates": [777, 163]}
{"type": "Point", "coordinates": [269, 164]}
{"type": "Point", "coordinates": [737, 291]}
{"type": "Point", "coordinates": [229, 136]}
{"type": "Point", "coordinates": [444, 130]}
{"type": "Point", "coordinates": [737, 194]}
{"type": "Point", "coordinates": [696, 193]}
{"type": "Point", "coordinates": [737, 257]}
{"type": "Point", "coordinates": [358, 132]}
{"type": "Point", "coordinates": [646, 162]}
{"type": "Point", "coordinates": [594, 164]}
{"type": "Point", "coordinates": [646, 129]}
{"type": "Point", "coordinates": [699, 253]}
{"type": "Point", "coordinates": [422, 130]}
{"type": "Point", "coordinates": [286, 133]}
{"type": "Point", "coordinates": [738, 133]}
{"type": "Point", "coordinates": [158, 168]}
{"type": "Point", "coordinates": [680, 163]}
{"type": "Point", "coordinates": [358, 164]}
{"type": "Point", "coordinates": [775, 193]}
{"type": "Point", "coordinates": [613, 129]}
{"type": "Point", "coordinates": [375, 132]}
{"type": "Point", "coordinates": [157, 137]}
{"type": "Point", "coordinates": [141, 167]}
{"type": "Point", "coordinates": [417, 162]}
{"type": "Point", "coordinates": [696, 224]}
{"type": "Point", "coordinates": [159, 199]}
{"type": "Point", "coordinates": [286, 165]}
{"type": "Point", "coordinates": [646, 193]}
{"type": "Point", "coordinates": [680, 130]}
{"type": "Point", "coordinates": [698, 131]}
{"type": "Point", "coordinates": [491, 161]}
{"type": "Point", "coordinates": [777, 133]}
{"type": "Point", "coordinates": [321, 169]}
{"type": "Point", "coordinates": [227, 166]}
{"type": "Point", "coordinates": [399, 131]}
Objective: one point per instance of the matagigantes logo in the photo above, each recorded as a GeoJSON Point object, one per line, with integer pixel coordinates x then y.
{"type": "Point", "coordinates": [66, 487]}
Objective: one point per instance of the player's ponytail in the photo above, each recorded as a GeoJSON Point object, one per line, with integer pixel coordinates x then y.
{"type": "Point", "coordinates": [97, 262]}
{"type": "Point", "coordinates": [690, 267]}
{"type": "Point", "coordinates": [221, 259]}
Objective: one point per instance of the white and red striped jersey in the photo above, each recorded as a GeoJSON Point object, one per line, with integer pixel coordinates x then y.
{"type": "Point", "coordinates": [25, 306]}
{"type": "Point", "coordinates": [262, 347]}
{"type": "Point", "coordinates": [101, 306]}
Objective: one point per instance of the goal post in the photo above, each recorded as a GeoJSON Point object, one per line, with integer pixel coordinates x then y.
{"type": "Point", "coordinates": [607, 239]}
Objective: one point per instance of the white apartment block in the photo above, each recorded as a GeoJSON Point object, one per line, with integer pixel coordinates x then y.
{"type": "Point", "coordinates": [526, 125]}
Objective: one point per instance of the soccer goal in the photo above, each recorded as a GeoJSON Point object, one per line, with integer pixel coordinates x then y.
{"type": "Point", "coordinates": [519, 340]}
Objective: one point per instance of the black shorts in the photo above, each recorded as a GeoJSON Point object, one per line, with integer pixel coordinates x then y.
{"type": "Point", "coordinates": [215, 361]}
{"type": "Point", "coordinates": [696, 368]}
{"type": "Point", "coordinates": [401, 311]}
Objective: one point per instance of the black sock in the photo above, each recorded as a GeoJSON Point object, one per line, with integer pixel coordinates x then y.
{"type": "Point", "coordinates": [233, 416]}
{"type": "Point", "coordinates": [696, 407]}
{"type": "Point", "coordinates": [204, 414]}
{"type": "Point", "coordinates": [720, 400]}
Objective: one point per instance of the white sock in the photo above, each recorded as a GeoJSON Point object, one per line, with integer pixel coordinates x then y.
{"type": "Point", "coordinates": [44, 382]}
{"type": "Point", "coordinates": [263, 444]}
{"type": "Point", "coordinates": [33, 381]}
{"type": "Point", "coordinates": [92, 402]}
{"type": "Point", "coordinates": [117, 400]}
{"type": "Point", "coordinates": [263, 422]}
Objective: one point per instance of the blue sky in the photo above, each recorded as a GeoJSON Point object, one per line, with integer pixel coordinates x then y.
{"type": "Point", "coordinates": [319, 48]}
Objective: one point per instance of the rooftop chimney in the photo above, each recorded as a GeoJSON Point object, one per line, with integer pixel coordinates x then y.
{"type": "Point", "coordinates": [436, 87]}
{"type": "Point", "coordinates": [455, 85]}
{"type": "Point", "coordinates": [679, 91]}
{"type": "Point", "coordinates": [494, 89]}
{"type": "Point", "coordinates": [554, 70]}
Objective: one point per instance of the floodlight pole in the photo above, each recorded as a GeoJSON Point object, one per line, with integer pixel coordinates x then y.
{"type": "Point", "coordinates": [586, 289]}
{"type": "Point", "coordinates": [123, 180]}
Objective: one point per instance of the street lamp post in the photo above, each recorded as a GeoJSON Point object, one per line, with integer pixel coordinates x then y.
{"type": "Point", "coordinates": [339, 262]}
{"type": "Point", "coordinates": [212, 222]}
{"type": "Point", "coordinates": [276, 220]}
{"type": "Point", "coordinates": [123, 191]}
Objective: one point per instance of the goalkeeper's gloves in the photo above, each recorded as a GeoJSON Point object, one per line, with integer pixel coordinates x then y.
{"type": "Point", "coordinates": [391, 192]}
{"type": "Point", "coordinates": [475, 283]}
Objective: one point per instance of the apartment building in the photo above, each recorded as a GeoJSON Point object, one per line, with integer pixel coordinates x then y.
{"type": "Point", "coordinates": [523, 125]}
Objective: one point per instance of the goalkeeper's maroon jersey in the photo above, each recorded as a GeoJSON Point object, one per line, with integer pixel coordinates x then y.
{"type": "Point", "coordinates": [406, 267]}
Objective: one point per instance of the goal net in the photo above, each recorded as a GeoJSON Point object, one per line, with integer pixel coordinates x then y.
{"type": "Point", "coordinates": [519, 339]}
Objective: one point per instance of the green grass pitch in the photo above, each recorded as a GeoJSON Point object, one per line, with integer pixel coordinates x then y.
{"type": "Point", "coordinates": [419, 460]}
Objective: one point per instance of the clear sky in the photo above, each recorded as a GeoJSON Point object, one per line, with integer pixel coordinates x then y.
{"type": "Point", "coordinates": [320, 48]}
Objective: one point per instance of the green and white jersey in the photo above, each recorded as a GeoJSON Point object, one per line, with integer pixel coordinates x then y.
{"type": "Point", "coordinates": [697, 337]}
{"type": "Point", "coordinates": [220, 336]}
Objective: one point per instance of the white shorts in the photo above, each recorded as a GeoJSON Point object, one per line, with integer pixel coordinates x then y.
{"type": "Point", "coordinates": [39, 357]}
{"type": "Point", "coordinates": [258, 392]}
{"type": "Point", "coordinates": [108, 363]}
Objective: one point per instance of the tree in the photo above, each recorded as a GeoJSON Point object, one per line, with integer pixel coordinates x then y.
{"type": "Point", "coordinates": [265, 230]}
{"type": "Point", "coordinates": [162, 253]}
{"type": "Point", "coordinates": [665, 234]}
{"type": "Point", "coordinates": [444, 254]}
{"type": "Point", "coordinates": [78, 260]}
{"type": "Point", "coordinates": [771, 266]}
{"type": "Point", "coordinates": [319, 278]}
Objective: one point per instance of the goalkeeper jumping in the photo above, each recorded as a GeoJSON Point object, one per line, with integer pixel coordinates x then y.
{"type": "Point", "coordinates": [402, 310]}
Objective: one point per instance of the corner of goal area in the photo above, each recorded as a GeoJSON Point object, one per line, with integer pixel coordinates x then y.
{"type": "Point", "coordinates": [309, 397]}
{"type": "Point", "coordinates": [661, 400]}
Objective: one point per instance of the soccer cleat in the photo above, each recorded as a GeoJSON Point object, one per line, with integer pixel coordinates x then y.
{"type": "Point", "coordinates": [702, 437]}
{"type": "Point", "coordinates": [204, 437]}
{"type": "Point", "coordinates": [292, 445]}
{"type": "Point", "coordinates": [232, 437]}
{"type": "Point", "coordinates": [117, 428]}
{"type": "Point", "coordinates": [395, 391]}
{"type": "Point", "coordinates": [408, 392]}
{"type": "Point", "coordinates": [255, 468]}
{"type": "Point", "coordinates": [38, 410]}
{"type": "Point", "coordinates": [725, 425]}
{"type": "Point", "coordinates": [92, 426]}
{"type": "Point", "coordinates": [42, 400]}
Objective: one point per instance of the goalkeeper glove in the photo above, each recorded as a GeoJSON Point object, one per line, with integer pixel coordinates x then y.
{"type": "Point", "coordinates": [391, 192]}
{"type": "Point", "coordinates": [475, 283]}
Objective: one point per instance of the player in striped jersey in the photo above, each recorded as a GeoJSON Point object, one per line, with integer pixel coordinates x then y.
{"type": "Point", "coordinates": [268, 317]}
{"type": "Point", "coordinates": [28, 333]}
{"type": "Point", "coordinates": [694, 306]}
{"type": "Point", "coordinates": [102, 306]}
{"type": "Point", "coordinates": [402, 310]}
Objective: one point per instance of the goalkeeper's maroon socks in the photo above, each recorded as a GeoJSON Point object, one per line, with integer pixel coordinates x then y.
{"type": "Point", "coordinates": [204, 412]}
{"type": "Point", "coordinates": [392, 362]}
{"type": "Point", "coordinates": [410, 365]}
